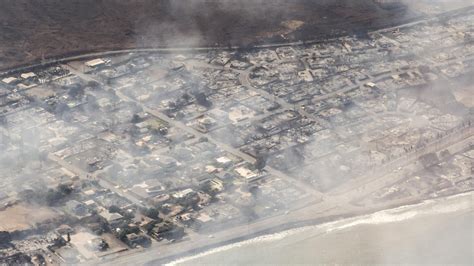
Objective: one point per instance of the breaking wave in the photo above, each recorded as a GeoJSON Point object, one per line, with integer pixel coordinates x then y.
{"type": "Point", "coordinates": [445, 205]}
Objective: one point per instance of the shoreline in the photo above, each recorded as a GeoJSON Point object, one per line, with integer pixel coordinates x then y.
{"type": "Point", "coordinates": [298, 225]}
{"type": "Point", "coordinates": [365, 239]}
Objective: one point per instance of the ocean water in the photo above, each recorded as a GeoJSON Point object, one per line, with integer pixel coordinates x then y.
{"type": "Point", "coordinates": [439, 231]}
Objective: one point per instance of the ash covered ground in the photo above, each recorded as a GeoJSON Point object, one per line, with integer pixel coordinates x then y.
{"type": "Point", "coordinates": [144, 157]}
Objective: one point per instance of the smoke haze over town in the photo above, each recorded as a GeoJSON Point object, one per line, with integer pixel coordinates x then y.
{"type": "Point", "coordinates": [150, 132]}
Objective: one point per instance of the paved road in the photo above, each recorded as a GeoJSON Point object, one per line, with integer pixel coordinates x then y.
{"type": "Point", "coordinates": [338, 201]}
{"type": "Point", "coordinates": [87, 176]}
{"type": "Point", "coordinates": [459, 140]}
{"type": "Point", "coordinates": [204, 49]}
{"type": "Point", "coordinates": [330, 205]}
{"type": "Point", "coordinates": [339, 204]}
{"type": "Point", "coordinates": [224, 146]}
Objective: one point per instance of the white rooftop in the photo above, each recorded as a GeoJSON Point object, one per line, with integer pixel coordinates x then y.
{"type": "Point", "coordinates": [223, 160]}
{"type": "Point", "coordinates": [28, 75]}
{"type": "Point", "coordinates": [95, 62]}
{"type": "Point", "coordinates": [9, 80]}
{"type": "Point", "coordinates": [183, 193]}
{"type": "Point", "coordinates": [245, 172]}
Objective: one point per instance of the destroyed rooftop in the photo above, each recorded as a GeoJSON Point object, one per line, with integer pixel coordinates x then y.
{"type": "Point", "coordinates": [217, 139]}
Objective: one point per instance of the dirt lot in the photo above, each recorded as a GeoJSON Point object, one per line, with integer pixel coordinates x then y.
{"type": "Point", "coordinates": [31, 29]}
{"type": "Point", "coordinates": [22, 217]}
